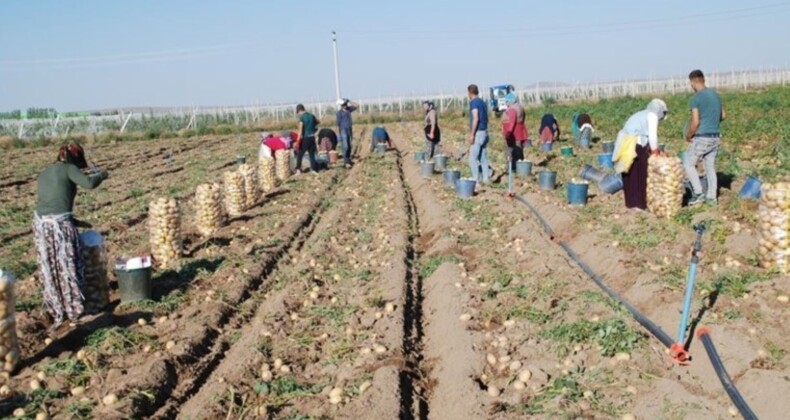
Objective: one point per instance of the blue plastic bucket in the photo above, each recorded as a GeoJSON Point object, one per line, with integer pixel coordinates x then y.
{"type": "Point", "coordinates": [523, 168]}
{"type": "Point", "coordinates": [547, 180]}
{"type": "Point", "coordinates": [427, 169]}
{"type": "Point", "coordinates": [585, 138]}
{"type": "Point", "coordinates": [751, 188]}
{"type": "Point", "coordinates": [611, 184]}
{"type": "Point", "coordinates": [419, 156]}
{"type": "Point", "coordinates": [605, 160]}
{"type": "Point", "coordinates": [450, 177]}
{"type": "Point", "coordinates": [546, 147]}
{"type": "Point", "coordinates": [590, 173]}
{"type": "Point", "coordinates": [608, 147]}
{"type": "Point", "coordinates": [566, 151]}
{"type": "Point", "coordinates": [577, 193]}
{"type": "Point", "coordinates": [440, 162]}
{"type": "Point", "coordinates": [465, 188]}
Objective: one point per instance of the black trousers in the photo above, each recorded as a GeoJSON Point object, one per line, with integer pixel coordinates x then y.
{"type": "Point", "coordinates": [308, 145]}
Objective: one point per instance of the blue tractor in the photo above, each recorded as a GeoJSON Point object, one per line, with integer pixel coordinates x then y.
{"type": "Point", "coordinates": [496, 98]}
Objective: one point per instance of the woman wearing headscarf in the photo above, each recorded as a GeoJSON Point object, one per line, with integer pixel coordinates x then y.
{"type": "Point", "coordinates": [432, 133]}
{"type": "Point", "coordinates": [55, 229]}
{"type": "Point", "coordinates": [513, 129]}
{"type": "Point", "coordinates": [640, 132]}
{"type": "Point", "coordinates": [549, 129]}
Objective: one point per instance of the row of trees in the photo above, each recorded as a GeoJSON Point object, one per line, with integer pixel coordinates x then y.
{"type": "Point", "coordinates": [30, 113]}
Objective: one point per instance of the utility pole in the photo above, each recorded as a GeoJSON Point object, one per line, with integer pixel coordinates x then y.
{"type": "Point", "coordinates": [337, 71]}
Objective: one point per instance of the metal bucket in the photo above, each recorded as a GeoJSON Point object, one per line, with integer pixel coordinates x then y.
{"type": "Point", "coordinates": [566, 151]}
{"type": "Point", "coordinates": [611, 184]}
{"type": "Point", "coordinates": [577, 193]}
{"type": "Point", "coordinates": [751, 188]}
{"type": "Point", "coordinates": [241, 159]}
{"type": "Point", "coordinates": [546, 147]}
{"type": "Point", "coordinates": [585, 138]}
{"type": "Point", "coordinates": [523, 168]}
{"type": "Point", "coordinates": [427, 169]}
{"type": "Point", "coordinates": [419, 156]}
{"type": "Point", "coordinates": [381, 147]}
{"type": "Point", "coordinates": [590, 173]}
{"type": "Point", "coordinates": [605, 160]}
{"type": "Point", "coordinates": [134, 284]}
{"type": "Point", "coordinates": [465, 188]}
{"type": "Point", "coordinates": [608, 147]}
{"type": "Point", "coordinates": [547, 180]}
{"type": "Point", "coordinates": [450, 177]}
{"type": "Point", "coordinates": [440, 162]}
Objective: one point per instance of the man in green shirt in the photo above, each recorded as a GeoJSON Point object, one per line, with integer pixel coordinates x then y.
{"type": "Point", "coordinates": [305, 141]}
{"type": "Point", "coordinates": [704, 137]}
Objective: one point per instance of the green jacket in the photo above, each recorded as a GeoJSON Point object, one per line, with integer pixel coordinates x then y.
{"type": "Point", "coordinates": [57, 187]}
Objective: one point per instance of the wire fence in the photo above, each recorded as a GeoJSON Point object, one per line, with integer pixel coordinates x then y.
{"type": "Point", "coordinates": [193, 118]}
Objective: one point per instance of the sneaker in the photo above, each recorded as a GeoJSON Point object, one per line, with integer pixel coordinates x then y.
{"type": "Point", "coordinates": [711, 201]}
{"type": "Point", "coordinates": [348, 166]}
{"type": "Point", "coordinates": [696, 199]}
{"type": "Point", "coordinates": [298, 172]}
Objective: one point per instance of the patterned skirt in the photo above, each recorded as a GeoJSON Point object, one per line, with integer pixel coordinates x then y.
{"type": "Point", "coordinates": [60, 266]}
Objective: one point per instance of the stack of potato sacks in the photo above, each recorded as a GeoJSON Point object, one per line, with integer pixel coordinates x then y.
{"type": "Point", "coordinates": [251, 189]}
{"type": "Point", "coordinates": [664, 185]}
{"type": "Point", "coordinates": [9, 345]}
{"type": "Point", "coordinates": [283, 164]}
{"type": "Point", "coordinates": [235, 195]}
{"type": "Point", "coordinates": [208, 203]}
{"type": "Point", "coordinates": [266, 174]}
{"type": "Point", "coordinates": [774, 223]}
{"type": "Point", "coordinates": [94, 256]}
{"type": "Point", "coordinates": [164, 224]}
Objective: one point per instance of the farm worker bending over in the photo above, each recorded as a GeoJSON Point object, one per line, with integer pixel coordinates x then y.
{"type": "Point", "coordinates": [549, 129]}
{"type": "Point", "coordinates": [344, 127]}
{"type": "Point", "coordinates": [380, 135]}
{"type": "Point", "coordinates": [585, 128]}
{"type": "Point", "coordinates": [635, 142]}
{"type": "Point", "coordinates": [432, 134]}
{"type": "Point", "coordinates": [478, 136]}
{"type": "Point", "coordinates": [60, 261]}
{"type": "Point", "coordinates": [327, 139]}
{"type": "Point", "coordinates": [704, 136]}
{"type": "Point", "coordinates": [513, 129]}
{"type": "Point", "coordinates": [270, 144]}
{"type": "Point", "coordinates": [305, 139]}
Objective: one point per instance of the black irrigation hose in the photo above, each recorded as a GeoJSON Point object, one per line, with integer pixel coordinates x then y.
{"type": "Point", "coordinates": [640, 317]}
{"type": "Point", "coordinates": [654, 329]}
{"type": "Point", "coordinates": [724, 377]}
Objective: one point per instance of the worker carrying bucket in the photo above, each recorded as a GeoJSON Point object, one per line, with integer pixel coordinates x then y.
{"type": "Point", "coordinates": [60, 264]}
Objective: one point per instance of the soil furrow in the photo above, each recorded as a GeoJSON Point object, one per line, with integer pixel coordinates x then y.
{"type": "Point", "coordinates": [413, 384]}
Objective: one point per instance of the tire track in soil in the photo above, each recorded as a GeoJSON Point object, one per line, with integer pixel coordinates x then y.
{"type": "Point", "coordinates": [191, 381]}
{"type": "Point", "coordinates": [413, 384]}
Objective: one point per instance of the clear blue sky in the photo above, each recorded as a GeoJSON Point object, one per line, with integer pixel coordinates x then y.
{"type": "Point", "coordinates": [77, 55]}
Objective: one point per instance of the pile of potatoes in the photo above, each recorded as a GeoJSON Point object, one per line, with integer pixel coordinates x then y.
{"type": "Point", "coordinates": [235, 195]}
{"type": "Point", "coordinates": [208, 204]}
{"type": "Point", "coordinates": [96, 288]}
{"type": "Point", "coordinates": [9, 344]}
{"type": "Point", "coordinates": [774, 223]}
{"type": "Point", "coordinates": [283, 164]}
{"type": "Point", "coordinates": [664, 185]}
{"type": "Point", "coordinates": [251, 188]}
{"type": "Point", "coordinates": [164, 225]}
{"type": "Point", "coordinates": [266, 174]}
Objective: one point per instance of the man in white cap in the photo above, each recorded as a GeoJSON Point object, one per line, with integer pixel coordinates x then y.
{"type": "Point", "coordinates": [344, 123]}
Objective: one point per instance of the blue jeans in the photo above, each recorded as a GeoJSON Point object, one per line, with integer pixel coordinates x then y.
{"type": "Point", "coordinates": [345, 144]}
{"type": "Point", "coordinates": [478, 157]}
{"type": "Point", "coordinates": [705, 148]}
